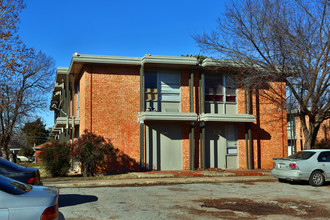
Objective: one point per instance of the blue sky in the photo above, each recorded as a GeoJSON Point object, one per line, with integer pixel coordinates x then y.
{"type": "Point", "coordinates": [118, 28]}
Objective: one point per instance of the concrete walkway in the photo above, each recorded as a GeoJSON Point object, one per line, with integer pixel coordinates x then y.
{"type": "Point", "coordinates": [161, 178]}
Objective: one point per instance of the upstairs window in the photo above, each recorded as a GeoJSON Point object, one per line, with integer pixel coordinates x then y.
{"type": "Point", "coordinates": [151, 91]}
{"type": "Point", "coordinates": [214, 88]}
{"type": "Point", "coordinates": [162, 91]}
{"type": "Point", "coordinates": [169, 87]}
{"type": "Point", "coordinates": [219, 86]}
{"type": "Point", "coordinates": [220, 94]}
{"type": "Point", "coordinates": [230, 89]}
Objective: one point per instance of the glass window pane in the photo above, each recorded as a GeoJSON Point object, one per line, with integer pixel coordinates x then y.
{"type": "Point", "coordinates": [171, 97]}
{"type": "Point", "coordinates": [304, 155]}
{"type": "Point", "coordinates": [169, 78]}
{"type": "Point", "coordinates": [219, 90]}
{"type": "Point", "coordinates": [218, 98]}
{"type": "Point", "coordinates": [214, 87]}
{"type": "Point", "coordinates": [230, 88]}
{"type": "Point", "coordinates": [230, 98]}
{"type": "Point", "coordinates": [231, 92]}
{"type": "Point", "coordinates": [151, 96]}
{"type": "Point", "coordinates": [231, 133]}
{"type": "Point", "coordinates": [150, 80]}
{"type": "Point", "coordinates": [170, 88]}
{"type": "Point", "coordinates": [231, 81]}
{"type": "Point", "coordinates": [231, 150]}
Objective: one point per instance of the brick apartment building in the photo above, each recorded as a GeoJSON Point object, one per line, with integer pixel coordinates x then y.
{"type": "Point", "coordinates": [296, 137]}
{"type": "Point", "coordinates": [170, 113]}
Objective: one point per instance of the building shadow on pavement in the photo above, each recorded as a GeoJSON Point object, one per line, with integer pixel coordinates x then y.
{"type": "Point", "coordinates": [74, 199]}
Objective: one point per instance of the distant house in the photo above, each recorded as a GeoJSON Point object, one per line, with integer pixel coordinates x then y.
{"type": "Point", "coordinates": [169, 113]}
{"type": "Point", "coordinates": [296, 137]}
{"type": "Point", "coordinates": [37, 150]}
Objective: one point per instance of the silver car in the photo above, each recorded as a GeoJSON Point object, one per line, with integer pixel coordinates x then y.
{"type": "Point", "coordinates": [22, 201]}
{"type": "Point", "coordinates": [310, 165]}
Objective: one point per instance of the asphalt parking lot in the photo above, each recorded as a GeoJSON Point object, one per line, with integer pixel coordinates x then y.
{"type": "Point", "coordinates": [245, 198]}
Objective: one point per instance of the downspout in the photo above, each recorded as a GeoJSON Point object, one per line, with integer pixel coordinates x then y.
{"type": "Point", "coordinates": [67, 93]}
{"type": "Point", "coordinates": [72, 114]}
{"type": "Point", "coordinates": [294, 135]}
{"type": "Point", "coordinates": [62, 133]}
{"type": "Point", "coordinates": [91, 120]}
{"type": "Point", "coordinates": [282, 120]}
{"type": "Point", "coordinates": [202, 124]}
{"type": "Point", "coordinates": [251, 164]}
{"type": "Point", "coordinates": [142, 110]}
{"type": "Point", "coordinates": [288, 125]}
{"type": "Point", "coordinates": [246, 130]}
{"type": "Point", "coordinates": [294, 147]}
{"type": "Point", "coordinates": [192, 124]}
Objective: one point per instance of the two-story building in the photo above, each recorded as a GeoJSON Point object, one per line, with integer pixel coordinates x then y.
{"type": "Point", "coordinates": [171, 113]}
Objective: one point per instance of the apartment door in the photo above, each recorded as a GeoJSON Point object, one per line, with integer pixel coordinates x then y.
{"type": "Point", "coordinates": [163, 146]}
{"type": "Point", "coordinates": [221, 145]}
{"type": "Point", "coordinates": [215, 146]}
{"type": "Point", "coordinates": [232, 150]}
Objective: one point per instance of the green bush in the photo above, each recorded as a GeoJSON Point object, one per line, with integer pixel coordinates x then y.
{"type": "Point", "coordinates": [56, 158]}
{"type": "Point", "coordinates": [90, 150]}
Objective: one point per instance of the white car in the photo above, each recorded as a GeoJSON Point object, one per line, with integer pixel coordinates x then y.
{"type": "Point", "coordinates": [311, 165]}
{"type": "Point", "coordinates": [22, 201]}
{"type": "Point", "coordinates": [22, 158]}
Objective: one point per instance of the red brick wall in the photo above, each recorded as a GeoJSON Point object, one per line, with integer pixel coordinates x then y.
{"type": "Point", "coordinates": [322, 135]}
{"type": "Point", "coordinates": [112, 108]}
{"type": "Point", "coordinates": [185, 126]}
{"type": "Point", "coordinates": [241, 129]}
{"type": "Point", "coordinates": [269, 131]}
{"type": "Point", "coordinates": [185, 91]}
{"type": "Point", "coordinates": [85, 94]}
{"type": "Point", "coordinates": [324, 132]}
{"type": "Point", "coordinates": [185, 146]}
{"type": "Point", "coordinates": [299, 135]}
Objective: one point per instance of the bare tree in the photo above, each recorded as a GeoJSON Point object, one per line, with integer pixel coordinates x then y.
{"type": "Point", "coordinates": [25, 75]}
{"type": "Point", "coordinates": [23, 91]}
{"type": "Point", "coordinates": [9, 19]}
{"type": "Point", "coordinates": [280, 39]}
{"type": "Point", "coordinates": [18, 140]}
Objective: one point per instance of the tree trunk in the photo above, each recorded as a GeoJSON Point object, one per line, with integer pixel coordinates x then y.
{"type": "Point", "coordinates": [4, 142]}
{"type": "Point", "coordinates": [310, 133]}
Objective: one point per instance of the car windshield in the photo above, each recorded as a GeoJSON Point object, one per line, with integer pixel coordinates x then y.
{"type": "Point", "coordinates": [302, 155]}
{"type": "Point", "coordinates": [12, 186]}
